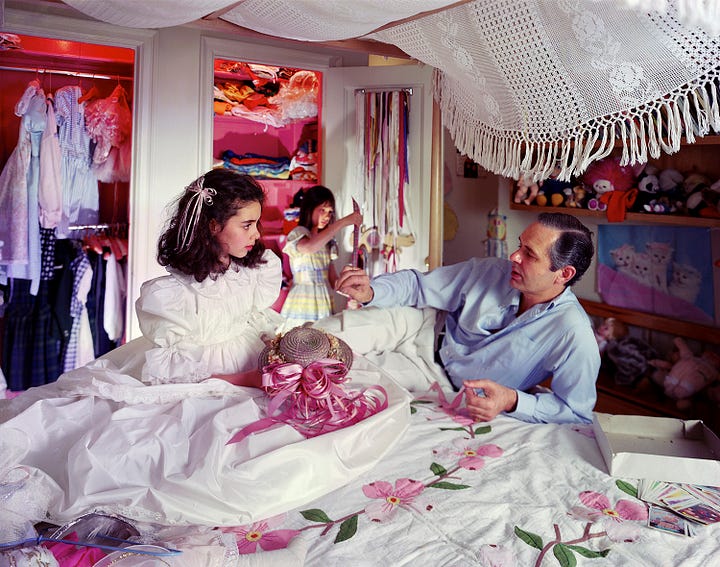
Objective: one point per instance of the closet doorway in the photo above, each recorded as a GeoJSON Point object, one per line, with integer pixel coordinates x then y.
{"type": "Point", "coordinates": [65, 155]}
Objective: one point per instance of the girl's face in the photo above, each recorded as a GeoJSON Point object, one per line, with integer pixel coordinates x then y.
{"type": "Point", "coordinates": [321, 215]}
{"type": "Point", "coordinates": [240, 232]}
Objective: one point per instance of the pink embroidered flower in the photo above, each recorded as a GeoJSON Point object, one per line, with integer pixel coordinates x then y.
{"type": "Point", "coordinates": [403, 495]}
{"type": "Point", "coordinates": [249, 537]}
{"type": "Point", "coordinates": [496, 556]}
{"type": "Point", "coordinates": [585, 430]}
{"type": "Point", "coordinates": [613, 519]}
{"type": "Point", "coordinates": [469, 453]}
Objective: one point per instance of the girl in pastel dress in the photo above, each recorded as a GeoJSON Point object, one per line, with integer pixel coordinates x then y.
{"type": "Point", "coordinates": [309, 249]}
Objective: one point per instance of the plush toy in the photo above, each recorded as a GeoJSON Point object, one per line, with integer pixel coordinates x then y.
{"type": "Point", "coordinates": [552, 190]}
{"type": "Point", "coordinates": [614, 185]}
{"type": "Point", "coordinates": [525, 190]}
{"type": "Point", "coordinates": [629, 356]}
{"type": "Point", "coordinates": [648, 185]}
{"type": "Point", "coordinates": [576, 196]}
{"type": "Point", "coordinates": [688, 375]}
{"type": "Point", "coordinates": [610, 329]}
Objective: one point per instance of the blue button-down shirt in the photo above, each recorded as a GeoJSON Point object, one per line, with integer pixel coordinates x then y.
{"type": "Point", "coordinates": [486, 339]}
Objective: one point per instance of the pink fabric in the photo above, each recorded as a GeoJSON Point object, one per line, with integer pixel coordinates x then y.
{"type": "Point", "coordinates": [312, 399]}
{"type": "Point", "coordinates": [68, 555]}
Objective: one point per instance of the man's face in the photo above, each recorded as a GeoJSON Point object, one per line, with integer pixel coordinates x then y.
{"type": "Point", "coordinates": [531, 272]}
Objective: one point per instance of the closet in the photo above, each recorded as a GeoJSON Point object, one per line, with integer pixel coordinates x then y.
{"type": "Point", "coordinates": [65, 157]}
{"type": "Point", "coordinates": [266, 124]}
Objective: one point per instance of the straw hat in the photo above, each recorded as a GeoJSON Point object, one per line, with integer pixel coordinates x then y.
{"type": "Point", "coordinates": [304, 345]}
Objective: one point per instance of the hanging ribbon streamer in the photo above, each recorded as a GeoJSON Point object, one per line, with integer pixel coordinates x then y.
{"type": "Point", "coordinates": [383, 123]}
{"type": "Point", "coordinates": [312, 399]}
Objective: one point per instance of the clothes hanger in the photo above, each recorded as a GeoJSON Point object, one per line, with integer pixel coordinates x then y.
{"type": "Point", "coordinates": [90, 94]}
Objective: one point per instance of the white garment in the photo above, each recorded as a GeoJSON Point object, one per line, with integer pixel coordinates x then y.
{"type": "Point", "coordinates": [209, 327]}
{"type": "Point", "coordinates": [101, 440]}
{"type": "Point", "coordinates": [115, 294]}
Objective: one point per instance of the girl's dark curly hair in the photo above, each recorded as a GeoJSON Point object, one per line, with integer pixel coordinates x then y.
{"type": "Point", "coordinates": [312, 198]}
{"type": "Point", "coordinates": [200, 257]}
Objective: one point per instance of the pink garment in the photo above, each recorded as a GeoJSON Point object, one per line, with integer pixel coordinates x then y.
{"type": "Point", "coordinates": [109, 123]}
{"type": "Point", "coordinates": [50, 184]}
{"type": "Point", "coordinates": [14, 189]}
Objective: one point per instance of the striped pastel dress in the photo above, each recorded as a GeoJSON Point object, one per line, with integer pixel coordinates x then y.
{"type": "Point", "coordinates": [310, 296]}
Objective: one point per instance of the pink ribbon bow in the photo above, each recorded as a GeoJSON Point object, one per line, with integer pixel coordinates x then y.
{"type": "Point", "coordinates": [313, 400]}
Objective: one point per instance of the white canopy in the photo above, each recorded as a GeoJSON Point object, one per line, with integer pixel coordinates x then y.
{"type": "Point", "coordinates": [522, 84]}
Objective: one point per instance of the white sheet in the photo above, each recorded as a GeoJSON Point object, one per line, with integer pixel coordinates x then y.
{"type": "Point", "coordinates": [99, 440]}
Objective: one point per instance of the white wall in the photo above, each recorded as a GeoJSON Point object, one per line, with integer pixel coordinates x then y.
{"type": "Point", "coordinates": [471, 199]}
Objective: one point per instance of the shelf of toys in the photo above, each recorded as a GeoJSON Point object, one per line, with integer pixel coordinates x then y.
{"type": "Point", "coordinates": [674, 189]}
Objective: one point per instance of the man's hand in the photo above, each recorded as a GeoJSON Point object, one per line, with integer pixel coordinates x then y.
{"type": "Point", "coordinates": [355, 284]}
{"type": "Point", "coordinates": [497, 399]}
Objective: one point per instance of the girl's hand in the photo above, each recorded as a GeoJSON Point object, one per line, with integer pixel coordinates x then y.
{"type": "Point", "coordinates": [353, 218]}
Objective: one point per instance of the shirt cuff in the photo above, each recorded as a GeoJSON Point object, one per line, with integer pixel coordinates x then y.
{"type": "Point", "coordinates": [525, 409]}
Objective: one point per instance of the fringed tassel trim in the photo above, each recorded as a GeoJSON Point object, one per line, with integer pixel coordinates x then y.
{"type": "Point", "coordinates": [692, 110]}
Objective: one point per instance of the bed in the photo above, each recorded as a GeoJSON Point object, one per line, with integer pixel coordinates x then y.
{"type": "Point", "coordinates": [443, 492]}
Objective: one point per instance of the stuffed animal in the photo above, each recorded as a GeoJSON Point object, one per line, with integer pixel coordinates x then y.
{"type": "Point", "coordinates": [552, 190]}
{"type": "Point", "coordinates": [576, 196]}
{"type": "Point", "coordinates": [525, 190]}
{"type": "Point", "coordinates": [648, 186]}
{"type": "Point", "coordinates": [629, 357]}
{"type": "Point", "coordinates": [688, 375]}
{"type": "Point", "coordinates": [614, 185]}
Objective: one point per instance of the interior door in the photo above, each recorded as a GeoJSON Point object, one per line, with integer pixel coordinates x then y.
{"type": "Point", "coordinates": [340, 164]}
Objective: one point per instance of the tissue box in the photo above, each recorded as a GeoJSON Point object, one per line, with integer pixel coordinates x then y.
{"type": "Point", "coordinates": [658, 448]}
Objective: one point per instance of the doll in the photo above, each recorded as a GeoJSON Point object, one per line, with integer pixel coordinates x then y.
{"type": "Point", "coordinates": [611, 329]}
{"type": "Point", "coordinates": [614, 186]}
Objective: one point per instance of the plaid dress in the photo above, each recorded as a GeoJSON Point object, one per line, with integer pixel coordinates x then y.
{"type": "Point", "coordinates": [309, 298]}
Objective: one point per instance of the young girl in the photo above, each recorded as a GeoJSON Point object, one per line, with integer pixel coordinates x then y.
{"type": "Point", "coordinates": [308, 248]}
{"type": "Point", "coordinates": [207, 317]}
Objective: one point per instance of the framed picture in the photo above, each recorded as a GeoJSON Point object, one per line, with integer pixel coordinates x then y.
{"type": "Point", "coordinates": [663, 270]}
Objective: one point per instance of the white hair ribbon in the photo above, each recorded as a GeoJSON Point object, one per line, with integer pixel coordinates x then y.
{"type": "Point", "coordinates": [191, 215]}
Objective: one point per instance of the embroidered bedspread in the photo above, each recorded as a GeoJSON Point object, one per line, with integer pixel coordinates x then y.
{"type": "Point", "coordinates": [501, 493]}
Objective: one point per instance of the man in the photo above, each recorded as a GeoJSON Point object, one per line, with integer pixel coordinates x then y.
{"type": "Point", "coordinates": [510, 324]}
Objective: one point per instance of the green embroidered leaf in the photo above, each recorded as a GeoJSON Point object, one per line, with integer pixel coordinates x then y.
{"type": "Point", "coordinates": [589, 552]}
{"type": "Point", "coordinates": [627, 487]}
{"type": "Point", "coordinates": [412, 410]}
{"type": "Point", "coordinates": [421, 402]}
{"type": "Point", "coordinates": [564, 555]}
{"type": "Point", "coordinates": [452, 429]}
{"type": "Point", "coordinates": [483, 429]}
{"type": "Point", "coordinates": [437, 469]}
{"type": "Point", "coordinates": [316, 515]}
{"type": "Point", "coordinates": [533, 540]}
{"type": "Point", "coordinates": [448, 486]}
{"type": "Point", "coordinates": [347, 529]}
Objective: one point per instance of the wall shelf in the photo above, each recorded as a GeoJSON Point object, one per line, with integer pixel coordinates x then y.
{"type": "Point", "coordinates": [649, 218]}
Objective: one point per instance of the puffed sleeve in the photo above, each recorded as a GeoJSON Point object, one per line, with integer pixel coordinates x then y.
{"type": "Point", "coordinates": [269, 280]}
{"type": "Point", "coordinates": [296, 234]}
{"type": "Point", "coordinates": [166, 313]}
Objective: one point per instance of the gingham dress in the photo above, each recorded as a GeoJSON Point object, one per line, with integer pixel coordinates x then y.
{"type": "Point", "coordinates": [310, 297]}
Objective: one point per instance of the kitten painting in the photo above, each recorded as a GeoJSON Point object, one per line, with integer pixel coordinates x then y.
{"type": "Point", "coordinates": [685, 282]}
{"type": "Point", "coordinates": [623, 257]}
{"type": "Point", "coordinates": [660, 256]}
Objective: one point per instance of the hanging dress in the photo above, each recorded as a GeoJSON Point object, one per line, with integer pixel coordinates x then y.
{"type": "Point", "coordinates": [309, 298]}
{"type": "Point", "coordinates": [14, 190]}
{"type": "Point", "coordinates": [81, 201]}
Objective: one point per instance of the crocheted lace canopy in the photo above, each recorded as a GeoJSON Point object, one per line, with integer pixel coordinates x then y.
{"type": "Point", "coordinates": [522, 84]}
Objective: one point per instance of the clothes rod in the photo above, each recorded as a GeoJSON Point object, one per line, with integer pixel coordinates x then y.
{"type": "Point", "coordinates": [42, 71]}
{"type": "Point", "coordinates": [408, 90]}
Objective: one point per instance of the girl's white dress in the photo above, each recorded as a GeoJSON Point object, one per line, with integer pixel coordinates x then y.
{"type": "Point", "coordinates": [143, 430]}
